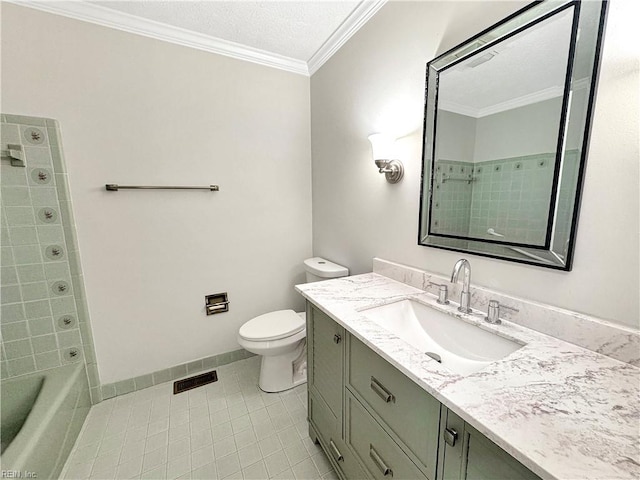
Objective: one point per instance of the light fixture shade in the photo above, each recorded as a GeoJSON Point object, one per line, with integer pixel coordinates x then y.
{"type": "Point", "coordinates": [382, 145]}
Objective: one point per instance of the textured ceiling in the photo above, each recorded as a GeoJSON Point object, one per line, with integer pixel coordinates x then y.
{"type": "Point", "coordinates": [294, 29]}
{"type": "Point", "coordinates": [536, 60]}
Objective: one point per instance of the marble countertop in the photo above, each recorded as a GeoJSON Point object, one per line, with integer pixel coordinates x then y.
{"type": "Point", "coordinates": [563, 411]}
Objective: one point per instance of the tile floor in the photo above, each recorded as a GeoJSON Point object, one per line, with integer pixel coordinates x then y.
{"type": "Point", "coordinates": [227, 429]}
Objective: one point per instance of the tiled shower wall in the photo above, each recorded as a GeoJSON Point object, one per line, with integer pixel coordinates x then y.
{"type": "Point", "coordinates": [44, 316]}
{"type": "Point", "coordinates": [509, 195]}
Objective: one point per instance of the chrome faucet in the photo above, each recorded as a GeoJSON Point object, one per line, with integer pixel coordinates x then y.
{"type": "Point", "coordinates": [465, 297]}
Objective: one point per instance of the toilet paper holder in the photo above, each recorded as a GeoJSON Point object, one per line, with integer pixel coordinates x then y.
{"type": "Point", "coordinates": [216, 303]}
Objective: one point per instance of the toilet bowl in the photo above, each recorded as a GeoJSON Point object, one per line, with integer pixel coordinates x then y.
{"type": "Point", "coordinates": [280, 336]}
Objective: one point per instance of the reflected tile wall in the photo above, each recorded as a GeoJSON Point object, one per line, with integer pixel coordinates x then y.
{"type": "Point", "coordinates": [44, 317]}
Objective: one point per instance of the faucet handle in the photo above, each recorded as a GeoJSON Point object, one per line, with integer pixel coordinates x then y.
{"type": "Point", "coordinates": [443, 293]}
{"type": "Point", "coordinates": [493, 313]}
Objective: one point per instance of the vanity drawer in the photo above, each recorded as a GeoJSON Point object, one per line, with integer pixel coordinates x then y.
{"type": "Point", "coordinates": [329, 432]}
{"type": "Point", "coordinates": [412, 415]}
{"type": "Point", "coordinates": [377, 451]}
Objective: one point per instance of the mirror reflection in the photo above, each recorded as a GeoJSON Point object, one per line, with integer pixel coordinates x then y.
{"type": "Point", "coordinates": [497, 137]}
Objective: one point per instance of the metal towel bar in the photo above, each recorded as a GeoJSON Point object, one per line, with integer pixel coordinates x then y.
{"type": "Point", "coordinates": [114, 187]}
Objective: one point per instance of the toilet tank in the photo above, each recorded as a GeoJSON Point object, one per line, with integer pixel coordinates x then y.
{"type": "Point", "coordinates": [319, 269]}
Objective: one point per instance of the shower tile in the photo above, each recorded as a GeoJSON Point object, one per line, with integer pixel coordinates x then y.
{"type": "Point", "coordinates": [47, 360]}
{"type": "Point", "coordinates": [12, 313]}
{"type": "Point", "coordinates": [9, 134]}
{"type": "Point", "coordinates": [27, 254]}
{"type": "Point", "coordinates": [108, 391]}
{"type": "Point", "coordinates": [10, 294]}
{"type": "Point", "coordinates": [14, 331]}
{"type": "Point", "coordinates": [63, 305]}
{"type": "Point", "coordinates": [57, 271]}
{"type": "Point", "coordinates": [60, 288]}
{"type": "Point", "coordinates": [15, 196]}
{"type": "Point", "coordinates": [43, 196]}
{"type": "Point", "coordinates": [78, 286]}
{"type": "Point", "coordinates": [17, 349]}
{"type": "Point", "coordinates": [25, 120]}
{"type": "Point", "coordinates": [40, 326]}
{"type": "Point", "coordinates": [41, 176]}
{"type": "Point", "coordinates": [69, 338]}
{"type": "Point", "coordinates": [44, 343]}
{"type": "Point", "coordinates": [19, 216]}
{"type": "Point", "coordinates": [54, 253]}
{"type": "Point", "coordinates": [32, 135]}
{"type": "Point", "coordinates": [47, 216]}
{"type": "Point", "coordinates": [7, 257]}
{"type": "Point", "coordinates": [8, 275]}
{"type": "Point", "coordinates": [21, 366]}
{"type": "Point", "coordinates": [66, 212]}
{"type": "Point", "coordinates": [30, 273]}
{"type": "Point", "coordinates": [12, 176]}
{"type": "Point", "coordinates": [38, 156]}
{"type": "Point", "coordinates": [92, 373]}
{"type": "Point", "coordinates": [34, 291]}
{"type": "Point", "coordinates": [23, 236]}
{"type": "Point", "coordinates": [39, 309]}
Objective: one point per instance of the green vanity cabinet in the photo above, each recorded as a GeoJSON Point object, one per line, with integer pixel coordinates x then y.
{"type": "Point", "coordinates": [325, 370]}
{"type": "Point", "coordinates": [467, 454]}
{"type": "Point", "coordinates": [374, 422]}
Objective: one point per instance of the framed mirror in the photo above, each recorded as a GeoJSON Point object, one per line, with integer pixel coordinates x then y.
{"type": "Point", "coordinates": [506, 131]}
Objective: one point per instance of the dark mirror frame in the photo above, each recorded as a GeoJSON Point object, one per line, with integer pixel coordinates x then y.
{"type": "Point", "coordinates": [585, 48]}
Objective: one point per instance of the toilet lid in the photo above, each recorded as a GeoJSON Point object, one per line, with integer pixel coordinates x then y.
{"type": "Point", "coordinates": [272, 326]}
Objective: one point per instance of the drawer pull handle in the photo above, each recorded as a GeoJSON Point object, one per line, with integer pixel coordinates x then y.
{"type": "Point", "coordinates": [382, 392]}
{"type": "Point", "coordinates": [337, 338]}
{"type": "Point", "coordinates": [377, 459]}
{"type": "Point", "coordinates": [450, 436]}
{"type": "Point", "coordinates": [335, 452]}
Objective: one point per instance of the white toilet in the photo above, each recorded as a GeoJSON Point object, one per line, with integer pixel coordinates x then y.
{"type": "Point", "coordinates": [280, 336]}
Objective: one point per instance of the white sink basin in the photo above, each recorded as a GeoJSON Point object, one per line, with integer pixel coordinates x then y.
{"type": "Point", "coordinates": [462, 347]}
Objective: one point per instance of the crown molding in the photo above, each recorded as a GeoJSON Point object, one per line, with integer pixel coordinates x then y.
{"type": "Point", "coordinates": [107, 17]}
{"type": "Point", "coordinates": [540, 96]}
{"type": "Point", "coordinates": [361, 15]}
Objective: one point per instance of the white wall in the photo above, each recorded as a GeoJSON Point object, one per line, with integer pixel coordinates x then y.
{"type": "Point", "coordinates": [376, 83]}
{"type": "Point", "coordinates": [139, 111]}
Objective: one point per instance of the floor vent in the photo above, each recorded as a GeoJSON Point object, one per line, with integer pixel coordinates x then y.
{"type": "Point", "coordinates": [196, 381]}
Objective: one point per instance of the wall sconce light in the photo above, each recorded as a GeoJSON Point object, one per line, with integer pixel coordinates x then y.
{"type": "Point", "coordinates": [383, 153]}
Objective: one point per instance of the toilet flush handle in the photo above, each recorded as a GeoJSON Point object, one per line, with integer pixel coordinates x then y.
{"type": "Point", "coordinates": [337, 338]}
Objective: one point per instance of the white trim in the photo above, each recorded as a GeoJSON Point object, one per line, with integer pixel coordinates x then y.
{"type": "Point", "coordinates": [361, 15]}
{"type": "Point", "coordinates": [107, 17]}
{"type": "Point", "coordinates": [99, 15]}
{"type": "Point", "coordinates": [540, 96]}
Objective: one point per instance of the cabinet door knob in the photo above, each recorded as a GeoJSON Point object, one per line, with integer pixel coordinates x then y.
{"type": "Point", "coordinates": [337, 338]}
{"type": "Point", "coordinates": [379, 462]}
{"type": "Point", "coordinates": [382, 392]}
{"type": "Point", "coordinates": [336, 453]}
{"type": "Point", "coordinates": [450, 436]}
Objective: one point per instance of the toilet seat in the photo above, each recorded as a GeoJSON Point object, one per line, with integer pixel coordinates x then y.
{"type": "Point", "coordinates": [272, 326]}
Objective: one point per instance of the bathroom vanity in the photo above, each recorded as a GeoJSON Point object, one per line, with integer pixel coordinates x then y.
{"type": "Point", "coordinates": [381, 408]}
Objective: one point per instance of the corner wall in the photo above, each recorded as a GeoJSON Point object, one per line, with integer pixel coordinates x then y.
{"type": "Point", "coordinates": [139, 111]}
{"type": "Point", "coordinates": [375, 83]}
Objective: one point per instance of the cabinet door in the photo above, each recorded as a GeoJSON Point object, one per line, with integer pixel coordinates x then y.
{"type": "Point", "coordinates": [467, 454]}
{"type": "Point", "coordinates": [326, 359]}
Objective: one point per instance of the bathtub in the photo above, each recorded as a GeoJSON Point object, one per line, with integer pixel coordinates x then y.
{"type": "Point", "coordinates": [42, 414]}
